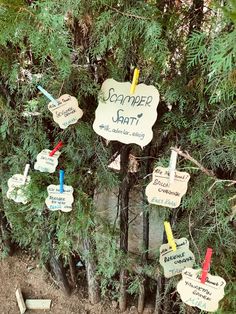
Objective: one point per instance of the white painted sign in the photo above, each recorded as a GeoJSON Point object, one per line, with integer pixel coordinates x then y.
{"type": "Point", "coordinates": [67, 112]}
{"type": "Point", "coordinates": [59, 201]}
{"type": "Point", "coordinates": [204, 296]}
{"type": "Point", "coordinates": [46, 163]}
{"type": "Point", "coordinates": [174, 262]}
{"type": "Point", "coordinates": [123, 117]}
{"type": "Point", "coordinates": [17, 185]}
{"type": "Point", "coordinates": [160, 191]}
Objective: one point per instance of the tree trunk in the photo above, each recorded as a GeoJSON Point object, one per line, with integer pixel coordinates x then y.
{"type": "Point", "coordinates": [58, 272]}
{"type": "Point", "coordinates": [72, 270]}
{"type": "Point", "coordinates": [93, 285]}
{"type": "Point", "coordinates": [141, 297]}
{"type": "Point", "coordinates": [124, 221]}
{"type": "Point", "coordinates": [158, 302]}
{"type": "Point", "coordinates": [5, 235]}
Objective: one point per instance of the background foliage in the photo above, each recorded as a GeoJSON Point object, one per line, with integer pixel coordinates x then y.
{"type": "Point", "coordinates": [71, 47]}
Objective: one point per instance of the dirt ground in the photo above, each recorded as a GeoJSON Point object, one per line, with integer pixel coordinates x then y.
{"type": "Point", "coordinates": [22, 270]}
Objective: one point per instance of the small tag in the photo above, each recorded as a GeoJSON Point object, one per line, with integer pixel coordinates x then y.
{"type": "Point", "coordinates": [17, 185]}
{"type": "Point", "coordinates": [174, 262]}
{"type": "Point", "coordinates": [46, 163]}
{"type": "Point", "coordinates": [205, 296]}
{"type": "Point", "coordinates": [162, 192]}
{"type": "Point", "coordinates": [60, 201]}
{"type": "Point", "coordinates": [67, 112]}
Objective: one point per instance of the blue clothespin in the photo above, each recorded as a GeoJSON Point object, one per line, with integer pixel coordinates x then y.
{"type": "Point", "coordinates": [61, 178]}
{"type": "Point", "coordinates": [55, 103]}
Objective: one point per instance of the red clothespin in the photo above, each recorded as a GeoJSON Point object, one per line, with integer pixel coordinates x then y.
{"type": "Point", "coordinates": [206, 265]}
{"type": "Point", "coordinates": [59, 145]}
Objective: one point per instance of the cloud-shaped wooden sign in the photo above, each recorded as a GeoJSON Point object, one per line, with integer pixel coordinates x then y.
{"type": "Point", "coordinates": [205, 296]}
{"type": "Point", "coordinates": [60, 201]}
{"type": "Point", "coordinates": [124, 117]}
{"type": "Point", "coordinates": [160, 191]}
{"type": "Point", "coordinates": [67, 112]}
{"type": "Point", "coordinates": [16, 188]}
{"type": "Point", "coordinates": [46, 163]}
{"type": "Point", "coordinates": [174, 262]}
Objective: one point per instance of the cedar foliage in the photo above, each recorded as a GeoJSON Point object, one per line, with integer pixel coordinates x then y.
{"type": "Point", "coordinates": [71, 47]}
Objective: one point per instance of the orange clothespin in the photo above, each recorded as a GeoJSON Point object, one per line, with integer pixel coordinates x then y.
{"type": "Point", "coordinates": [134, 81]}
{"type": "Point", "coordinates": [206, 265]}
{"type": "Point", "coordinates": [59, 145]}
{"type": "Point", "coordinates": [169, 234]}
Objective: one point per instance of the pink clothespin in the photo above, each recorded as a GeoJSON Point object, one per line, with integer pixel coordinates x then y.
{"type": "Point", "coordinates": [206, 265]}
{"type": "Point", "coordinates": [59, 145]}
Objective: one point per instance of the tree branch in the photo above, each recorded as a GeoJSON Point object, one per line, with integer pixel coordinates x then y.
{"type": "Point", "coordinates": [186, 155]}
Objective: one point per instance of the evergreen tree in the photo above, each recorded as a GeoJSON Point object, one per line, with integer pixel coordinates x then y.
{"type": "Point", "coordinates": [184, 48]}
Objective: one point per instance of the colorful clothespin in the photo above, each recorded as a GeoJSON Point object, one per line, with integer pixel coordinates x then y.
{"type": "Point", "coordinates": [172, 165]}
{"type": "Point", "coordinates": [59, 145]}
{"type": "Point", "coordinates": [27, 167]}
{"type": "Point", "coordinates": [61, 179]}
{"type": "Point", "coordinates": [169, 234]}
{"type": "Point", "coordinates": [49, 96]}
{"type": "Point", "coordinates": [134, 81]}
{"type": "Point", "coordinates": [206, 265]}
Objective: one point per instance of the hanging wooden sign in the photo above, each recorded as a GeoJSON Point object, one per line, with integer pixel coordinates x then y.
{"type": "Point", "coordinates": [17, 185]}
{"type": "Point", "coordinates": [160, 191]}
{"type": "Point", "coordinates": [174, 262]}
{"type": "Point", "coordinates": [205, 296]}
{"type": "Point", "coordinates": [60, 201]}
{"type": "Point", "coordinates": [124, 117]}
{"type": "Point", "coordinates": [67, 111]}
{"type": "Point", "coordinates": [46, 163]}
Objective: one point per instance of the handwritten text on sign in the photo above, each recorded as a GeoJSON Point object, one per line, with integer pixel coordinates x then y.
{"type": "Point", "coordinates": [46, 163]}
{"type": "Point", "coordinates": [60, 201]}
{"type": "Point", "coordinates": [124, 117]}
{"type": "Point", "coordinates": [16, 188]}
{"type": "Point", "coordinates": [204, 296]}
{"type": "Point", "coordinates": [67, 112]}
{"type": "Point", "coordinates": [174, 262]}
{"type": "Point", "coordinates": [161, 192]}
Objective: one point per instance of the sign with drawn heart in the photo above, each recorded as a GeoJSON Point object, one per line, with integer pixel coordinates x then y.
{"type": "Point", "coordinates": [160, 191]}
{"type": "Point", "coordinates": [67, 112]}
{"type": "Point", "coordinates": [17, 186]}
{"type": "Point", "coordinates": [60, 201]}
{"type": "Point", "coordinates": [124, 117]}
{"type": "Point", "coordinates": [46, 163]}
{"type": "Point", "coordinates": [205, 296]}
{"type": "Point", "coordinates": [174, 262]}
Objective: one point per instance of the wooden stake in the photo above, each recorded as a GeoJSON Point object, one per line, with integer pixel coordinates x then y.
{"type": "Point", "coordinates": [20, 301]}
{"type": "Point", "coordinates": [38, 304]}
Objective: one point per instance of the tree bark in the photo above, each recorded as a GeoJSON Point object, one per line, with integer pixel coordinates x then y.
{"type": "Point", "coordinates": [72, 270]}
{"type": "Point", "coordinates": [58, 272]}
{"type": "Point", "coordinates": [90, 263]}
{"type": "Point", "coordinates": [5, 235]}
{"type": "Point", "coordinates": [196, 16]}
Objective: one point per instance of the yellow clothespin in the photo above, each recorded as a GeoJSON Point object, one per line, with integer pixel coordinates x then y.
{"type": "Point", "coordinates": [169, 234]}
{"type": "Point", "coordinates": [135, 81]}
